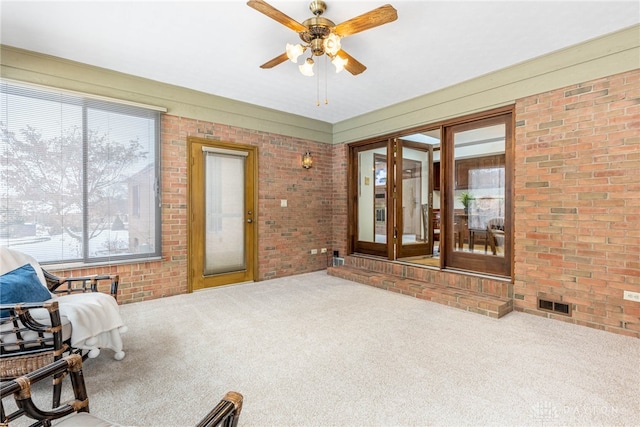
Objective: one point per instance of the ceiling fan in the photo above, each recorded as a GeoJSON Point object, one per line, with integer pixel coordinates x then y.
{"type": "Point", "coordinates": [321, 36]}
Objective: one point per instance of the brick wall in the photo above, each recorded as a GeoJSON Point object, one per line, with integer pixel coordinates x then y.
{"type": "Point", "coordinates": [286, 235]}
{"type": "Point", "coordinates": [339, 217]}
{"type": "Point", "coordinates": [577, 209]}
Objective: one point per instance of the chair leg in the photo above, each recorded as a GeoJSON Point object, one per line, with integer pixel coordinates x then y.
{"type": "Point", "coordinates": [57, 389]}
{"type": "Point", "coordinates": [492, 242]}
{"type": "Point", "coordinates": [486, 241]}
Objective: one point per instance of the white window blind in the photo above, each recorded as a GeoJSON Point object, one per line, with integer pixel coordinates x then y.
{"type": "Point", "coordinates": [79, 178]}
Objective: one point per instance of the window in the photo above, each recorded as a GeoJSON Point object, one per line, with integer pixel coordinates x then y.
{"type": "Point", "coordinates": [79, 179]}
{"type": "Point", "coordinates": [479, 189]}
{"type": "Point", "coordinates": [135, 200]}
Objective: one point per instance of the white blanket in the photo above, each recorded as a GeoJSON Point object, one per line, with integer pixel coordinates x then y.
{"type": "Point", "coordinates": [96, 322]}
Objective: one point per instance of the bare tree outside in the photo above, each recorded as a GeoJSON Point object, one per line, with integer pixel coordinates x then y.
{"type": "Point", "coordinates": [49, 179]}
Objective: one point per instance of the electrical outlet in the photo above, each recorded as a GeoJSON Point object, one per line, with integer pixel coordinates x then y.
{"type": "Point", "coordinates": [314, 251]}
{"type": "Point", "coordinates": [632, 296]}
{"type": "Point", "coordinates": [323, 250]}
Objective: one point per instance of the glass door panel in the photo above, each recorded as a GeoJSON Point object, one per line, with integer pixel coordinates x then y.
{"type": "Point", "coordinates": [224, 217]}
{"type": "Point", "coordinates": [414, 210]}
{"type": "Point", "coordinates": [372, 196]}
{"type": "Point", "coordinates": [436, 196]}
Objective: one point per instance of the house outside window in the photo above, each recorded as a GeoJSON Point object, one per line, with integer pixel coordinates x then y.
{"type": "Point", "coordinates": [80, 176]}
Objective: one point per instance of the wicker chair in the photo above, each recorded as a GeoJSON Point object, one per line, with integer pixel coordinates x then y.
{"type": "Point", "coordinates": [81, 284]}
{"type": "Point", "coordinates": [27, 344]}
{"type": "Point", "coordinates": [76, 412]}
{"type": "Point", "coordinates": [67, 290]}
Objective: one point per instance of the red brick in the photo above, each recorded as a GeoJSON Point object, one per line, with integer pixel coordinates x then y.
{"type": "Point", "coordinates": [599, 242]}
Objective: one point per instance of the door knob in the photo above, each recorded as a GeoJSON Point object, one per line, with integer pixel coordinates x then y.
{"type": "Point", "coordinates": [249, 220]}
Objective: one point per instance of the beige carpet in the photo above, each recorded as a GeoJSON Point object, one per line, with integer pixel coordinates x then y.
{"type": "Point", "coordinates": [314, 350]}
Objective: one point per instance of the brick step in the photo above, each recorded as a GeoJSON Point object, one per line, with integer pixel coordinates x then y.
{"type": "Point", "coordinates": [488, 305]}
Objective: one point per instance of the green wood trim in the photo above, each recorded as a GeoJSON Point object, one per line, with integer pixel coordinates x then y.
{"type": "Point", "coordinates": [31, 67]}
{"type": "Point", "coordinates": [611, 54]}
{"type": "Point", "coordinates": [604, 56]}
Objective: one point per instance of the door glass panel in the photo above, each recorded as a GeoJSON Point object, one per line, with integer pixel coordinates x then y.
{"type": "Point", "coordinates": [224, 218]}
{"type": "Point", "coordinates": [372, 195]}
{"type": "Point", "coordinates": [434, 212]}
{"type": "Point", "coordinates": [415, 196]}
{"type": "Point", "coordinates": [479, 196]}
{"type": "Point", "coordinates": [419, 204]}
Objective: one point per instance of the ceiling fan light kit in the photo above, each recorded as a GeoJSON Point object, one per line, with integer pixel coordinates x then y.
{"type": "Point", "coordinates": [321, 36]}
{"type": "Point", "coordinates": [294, 51]}
{"type": "Point", "coordinates": [307, 68]}
{"type": "Point", "coordinates": [339, 63]}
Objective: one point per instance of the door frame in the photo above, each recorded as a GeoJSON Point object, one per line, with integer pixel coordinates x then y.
{"type": "Point", "coordinates": [426, 248]}
{"type": "Point", "coordinates": [355, 245]}
{"type": "Point", "coordinates": [392, 248]}
{"type": "Point", "coordinates": [251, 223]}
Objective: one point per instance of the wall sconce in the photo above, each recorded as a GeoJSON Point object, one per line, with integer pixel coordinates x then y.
{"type": "Point", "coordinates": [307, 160]}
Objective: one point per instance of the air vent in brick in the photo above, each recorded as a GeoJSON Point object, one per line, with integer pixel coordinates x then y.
{"type": "Point", "coordinates": [554, 307]}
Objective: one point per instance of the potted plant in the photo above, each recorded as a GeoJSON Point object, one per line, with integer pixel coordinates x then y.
{"type": "Point", "coordinates": [465, 199]}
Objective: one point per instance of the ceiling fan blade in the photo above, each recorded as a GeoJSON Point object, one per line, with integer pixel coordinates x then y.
{"type": "Point", "coordinates": [275, 61]}
{"type": "Point", "coordinates": [273, 13]}
{"type": "Point", "coordinates": [352, 65]}
{"type": "Point", "coordinates": [376, 17]}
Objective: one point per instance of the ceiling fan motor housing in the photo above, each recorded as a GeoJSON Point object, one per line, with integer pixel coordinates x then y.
{"type": "Point", "coordinates": [318, 29]}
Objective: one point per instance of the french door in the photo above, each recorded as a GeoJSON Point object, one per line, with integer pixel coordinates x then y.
{"type": "Point", "coordinates": [371, 198]}
{"type": "Point", "coordinates": [222, 213]}
{"type": "Point", "coordinates": [414, 199]}
{"type": "Point", "coordinates": [392, 199]}
{"type": "Point", "coordinates": [440, 197]}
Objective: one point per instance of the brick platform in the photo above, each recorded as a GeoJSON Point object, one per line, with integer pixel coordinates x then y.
{"type": "Point", "coordinates": [490, 304]}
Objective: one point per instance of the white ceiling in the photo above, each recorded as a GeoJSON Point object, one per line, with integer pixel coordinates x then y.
{"type": "Point", "coordinates": [217, 46]}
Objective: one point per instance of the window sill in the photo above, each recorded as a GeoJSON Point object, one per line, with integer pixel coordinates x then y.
{"type": "Point", "coordinates": [81, 265]}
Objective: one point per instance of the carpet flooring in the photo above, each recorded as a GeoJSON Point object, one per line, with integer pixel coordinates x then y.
{"type": "Point", "coordinates": [315, 350]}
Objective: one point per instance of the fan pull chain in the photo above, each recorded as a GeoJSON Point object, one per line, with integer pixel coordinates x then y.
{"type": "Point", "coordinates": [326, 84]}
{"type": "Point", "coordinates": [318, 88]}
{"type": "Point", "coordinates": [326, 78]}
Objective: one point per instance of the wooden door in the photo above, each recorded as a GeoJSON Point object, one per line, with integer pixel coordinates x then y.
{"type": "Point", "coordinates": [222, 229]}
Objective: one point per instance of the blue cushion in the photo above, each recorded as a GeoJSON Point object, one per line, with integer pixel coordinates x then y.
{"type": "Point", "coordinates": [21, 285]}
